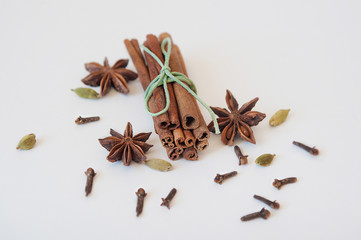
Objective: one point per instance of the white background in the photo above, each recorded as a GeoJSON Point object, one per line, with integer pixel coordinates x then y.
{"type": "Point", "coordinates": [302, 55]}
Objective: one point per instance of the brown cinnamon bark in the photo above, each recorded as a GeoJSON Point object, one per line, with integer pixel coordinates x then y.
{"type": "Point", "coordinates": [201, 145]}
{"type": "Point", "coordinates": [181, 59]}
{"type": "Point", "coordinates": [190, 154]}
{"type": "Point", "coordinates": [173, 153]}
{"type": "Point", "coordinates": [189, 138]}
{"type": "Point", "coordinates": [178, 150]}
{"type": "Point", "coordinates": [158, 93]}
{"type": "Point", "coordinates": [134, 51]}
{"type": "Point", "coordinates": [166, 137]}
{"type": "Point", "coordinates": [142, 70]}
{"type": "Point", "coordinates": [201, 133]}
{"type": "Point", "coordinates": [173, 109]}
{"type": "Point", "coordinates": [179, 141]}
{"type": "Point", "coordinates": [179, 137]}
{"type": "Point", "coordinates": [154, 45]}
{"type": "Point", "coordinates": [135, 44]}
{"type": "Point", "coordinates": [187, 110]}
{"type": "Point", "coordinates": [138, 61]}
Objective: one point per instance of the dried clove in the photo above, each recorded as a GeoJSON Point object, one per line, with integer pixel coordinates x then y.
{"type": "Point", "coordinates": [89, 181]}
{"type": "Point", "coordinates": [279, 183]}
{"type": "Point", "coordinates": [313, 150]}
{"type": "Point", "coordinates": [221, 177]}
{"type": "Point", "coordinates": [274, 204]}
{"type": "Point", "coordinates": [242, 158]}
{"type": "Point", "coordinates": [166, 201]}
{"type": "Point", "coordinates": [264, 213]}
{"type": "Point", "coordinates": [141, 195]}
{"type": "Point", "coordinates": [81, 120]}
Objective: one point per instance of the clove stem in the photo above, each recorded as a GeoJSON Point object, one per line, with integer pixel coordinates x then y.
{"type": "Point", "coordinates": [81, 120]}
{"type": "Point", "coordinates": [89, 181]}
{"type": "Point", "coordinates": [264, 213]}
{"type": "Point", "coordinates": [272, 204]}
{"type": "Point", "coordinates": [279, 183]}
{"type": "Point", "coordinates": [170, 196]}
{"type": "Point", "coordinates": [221, 177]}
{"type": "Point", "coordinates": [140, 202]}
{"type": "Point", "coordinates": [242, 158]}
{"type": "Point", "coordinates": [312, 150]}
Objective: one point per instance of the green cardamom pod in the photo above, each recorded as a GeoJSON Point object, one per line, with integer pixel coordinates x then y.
{"type": "Point", "coordinates": [159, 164]}
{"type": "Point", "coordinates": [265, 159]}
{"type": "Point", "coordinates": [279, 117]}
{"type": "Point", "coordinates": [27, 142]}
{"type": "Point", "coordinates": [86, 93]}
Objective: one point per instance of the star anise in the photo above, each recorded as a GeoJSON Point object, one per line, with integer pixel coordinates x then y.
{"type": "Point", "coordinates": [126, 147]}
{"type": "Point", "coordinates": [237, 120]}
{"type": "Point", "coordinates": [106, 76]}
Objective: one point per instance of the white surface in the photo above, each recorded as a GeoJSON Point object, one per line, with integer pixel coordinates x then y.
{"type": "Point", "coordinates": [303, 55]}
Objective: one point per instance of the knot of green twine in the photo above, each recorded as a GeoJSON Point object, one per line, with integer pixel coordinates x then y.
{"type": "Point", "coordinates": [166, 76]}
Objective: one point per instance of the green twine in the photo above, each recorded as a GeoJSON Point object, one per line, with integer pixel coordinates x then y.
{"type": "Point", "coordinates": [166, 76]}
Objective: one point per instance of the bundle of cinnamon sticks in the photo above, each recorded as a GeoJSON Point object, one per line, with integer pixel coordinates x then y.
{"type": "Point", "coordinates": [182, 129]}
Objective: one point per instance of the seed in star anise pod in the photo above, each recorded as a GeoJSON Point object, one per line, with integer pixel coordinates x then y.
{"type": "Point", "coordinates": [106, 76]}
{"type": "Point", "coordinates": [126, 147]}
{"type": "Point", "coordinates": [236, 120]}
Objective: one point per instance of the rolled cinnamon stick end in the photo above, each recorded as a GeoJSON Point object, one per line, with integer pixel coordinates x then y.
{"type": "Point", "coordinates": [201, 133]}
{"type": "Point", "coordinates": [166, 137]}
{"type": "Point", "coordinates": [190, 154]}
{"type": "Point", "coordinates": [201, 145]}
{"type": "Point", "coordinates": [178, 150]}
{"type": "Point", "coordinates": [173, 153]}
{"type": "Point", "coordinates": [187, 111]}
{"type": "Point", "coordinates": [179, 137]}
{"type": "Point", "coordinates": [189, 138]}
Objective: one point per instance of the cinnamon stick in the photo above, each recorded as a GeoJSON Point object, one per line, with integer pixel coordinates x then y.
{"type": "Point", "coordinates": [158, 93]}
{"type": "Point", "coordinates": [181, 59]}
{"type": "Point", "coordinates": [137, 48]}
{"type": "Point", "coordinates": [179, 137]}
{"type": "Point", "coordinates": [134, 51]}
{"type": "Point", "coordinates": [173, 109]}
{"type": "Point", "coordinates": [182, 140]}
{"type": "Point", "coordinates": [178, 150]}
{"type": "Point", "coordinates": [154, 46]}
{"type": "Point", "coordinates": [138, 61]}
{"type": "Point", "coordinates": [142, 70]}
{"type": "Point", "coordinates": [172, 153]}
{"type": "Point", "coordinates": [201, 145]}
{"type": "Point", "coordinates": [201, 133]}
{"type": "Point", "coordinates": [190, 154]}
{"type": "Point", "coordinates": [189, 138]}
{"type": "Point", "coordinates": [187, 111]}
{"type": "Point", "coordinates": [166, 137]}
